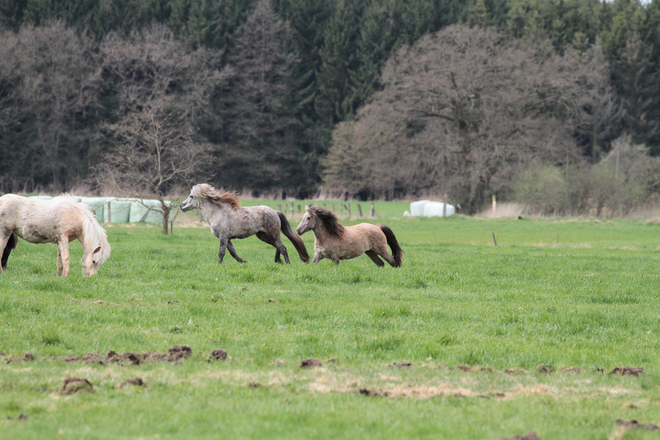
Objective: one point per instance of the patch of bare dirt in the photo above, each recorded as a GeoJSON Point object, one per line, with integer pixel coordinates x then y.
{"type": "Point", "coordinates": [138, 382]}
{"type": "Point", "coordinates": [572, 370]}
{"type": "Point", "coordinates": [628, 371]}
{"type": "Point", "coordinates": [544, 369]}
{"type": "Point", "coordinates": [310, 363]}
{"type": "Point", "coordinates": [175, 353]}
{"type": "Point", "coordinates": [89, 358]}
{"type": "Point", "coordinates": [76, 385]}
{"type": "Point", "coordinates": [512, 372]}
{"type": "Point", "coordinates": [634, 424]}
{"type": "Point", "coordinates": [529, 435]}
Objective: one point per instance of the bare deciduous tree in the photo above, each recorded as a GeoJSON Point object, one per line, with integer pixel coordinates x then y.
{"type": "Point", "coordinates": [161, 88]}
{"type": "Point", "coordinates": [49, 78]}
{"type": "Point", "coordinates": [460, 112]}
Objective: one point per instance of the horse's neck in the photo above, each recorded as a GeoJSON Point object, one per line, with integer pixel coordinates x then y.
{"type": "Point", "coordinates": [212, 212]}
{"type": "Point", "coordinates": [321, 232]}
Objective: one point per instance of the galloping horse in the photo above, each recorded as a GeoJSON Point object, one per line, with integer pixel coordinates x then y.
{"type": "Point", "coordinates": [337, 242]}
{"type": "Point", "coordinates": [60, 221]}
{"type": "Point", "coordinates": [228, 220]}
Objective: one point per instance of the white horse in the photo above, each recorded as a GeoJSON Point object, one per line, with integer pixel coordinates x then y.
{"type": "Point", "coordinates": [228, 220]}
{"type": "Point", "coordinates": [60, 221]}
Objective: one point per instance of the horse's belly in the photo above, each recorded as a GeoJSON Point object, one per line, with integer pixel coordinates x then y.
{"type": "Point", "coordinates": [35, 234]}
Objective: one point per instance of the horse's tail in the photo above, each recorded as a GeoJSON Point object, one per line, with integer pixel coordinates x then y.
{"type": "Point", "coordinates": [11, 244]}
{"type": "Point", "coordinates": [93, 233]}
{"type": "Point", "coordinates": [397, 252]}
{"type": "Point", "coordinates": [297, 241]}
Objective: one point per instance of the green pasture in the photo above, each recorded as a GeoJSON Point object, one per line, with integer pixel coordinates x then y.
{"type": "Point", "coordinates": [561, 294]}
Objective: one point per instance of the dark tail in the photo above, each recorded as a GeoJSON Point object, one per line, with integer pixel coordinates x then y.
{"type": "Point", "coordinates": [397, 252]}
{"type": "Point", "coordinates": [297, 241]}
{"type": "Point", "coordinates": [11, 244]}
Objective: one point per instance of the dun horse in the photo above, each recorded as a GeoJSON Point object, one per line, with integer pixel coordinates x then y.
{"type": "Point", "coordinates": [59, 221]}
{"type": "Point", "coordinates": [337, 242]}
{"type": "Point", "coordinates": [228, 220]}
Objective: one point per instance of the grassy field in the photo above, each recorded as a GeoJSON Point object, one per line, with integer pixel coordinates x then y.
{"type": "Point", "coordinates": [536, 324]}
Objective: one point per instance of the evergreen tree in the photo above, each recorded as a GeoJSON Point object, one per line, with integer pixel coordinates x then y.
{"type": "Point", "coordinates": [334, 101]}
{"type": "Point", "coordinates": [260, 149]}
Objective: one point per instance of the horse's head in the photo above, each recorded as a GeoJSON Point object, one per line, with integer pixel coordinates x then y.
{"type": "Point", "coordinates": [193, 200]}
{"type": "Point", "coordinates": [90, 262]}
{"type": "Point", "coordinates": [308, 221]}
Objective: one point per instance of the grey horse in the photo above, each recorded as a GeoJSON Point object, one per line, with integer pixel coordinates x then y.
{"type": "Point", "coordinates": [228, 220]}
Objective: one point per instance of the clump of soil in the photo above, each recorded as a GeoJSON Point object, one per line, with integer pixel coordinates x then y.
{"type": "Point", "coordinates": [530, 435]}
{"type": "Point", "coordinates": [628, 371]}
{"type": "Point", "coordinates": [507, 371]}
{"type": "Point", "coordinates": [400, 365]}
{"type": "Point", "coordinates": [76, 385]}
{"type": "Point", "coordinates": [544, 369]}
{"type": "Point", "coordinates": [138, 382]}
{"type": "Point", "coordinates": [180, 351]}
{"type": "Point", "coordinates": [464, 368]}
{"type": "Point", "coordinates": [573, 370]}
{"type": "Point", "coordinates": [634, 424]}
{"type": "Point", "coordinates": [218, 355]}
{"type": "Point", "coordinates": [21, 416]}
{"type": "Point", "coordinates": [132, 358]}
{"type": "Point", "coordinates": [310, 363]}
{"type": "Point", "coordinates": [27, 357]}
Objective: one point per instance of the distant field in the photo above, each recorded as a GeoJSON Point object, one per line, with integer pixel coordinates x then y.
{"type": "Point", "coordinates": [500, 339]}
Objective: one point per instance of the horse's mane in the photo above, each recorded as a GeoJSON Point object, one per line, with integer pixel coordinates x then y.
{"type": "Point", "coordinates": [93, 233]}
{"type": "Point", "coordinates": [329, 219]}
{"type": "Point", "coordinates": [206, 191]}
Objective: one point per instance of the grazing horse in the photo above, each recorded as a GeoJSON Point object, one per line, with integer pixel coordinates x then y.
{"type": "Point", "coordinates": [228, 220]}
{"type": "Point", "coordinates": [59, 221]}
{"type": "Point", "coordinates": [337, 242]}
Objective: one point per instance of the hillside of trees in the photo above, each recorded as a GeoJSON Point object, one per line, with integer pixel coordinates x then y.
{"type": "Point", "coordinates": [367, 99]}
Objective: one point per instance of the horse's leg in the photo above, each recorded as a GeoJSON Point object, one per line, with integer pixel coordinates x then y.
{"type": "Point", "coordinates": [264, 237]}
{"type": "Point", "coordinates": [63, 247]}
{"type": "Point", "coordinates": [281, 249]}
{"type": "Point", "coordinates": [223, 248]}
{"type": "Point", "coordinates": [381, 249]}
{"type": "Point", "coordinates": [374, 258]}
{"type": "Point", "coordinates": [3, 244]}
{"type": "Point", "coordinates": [317, 257]}
{"type": "Point", "coordinates": [232, 251]}
{"type": "Point", "coordinates": [59, 261]}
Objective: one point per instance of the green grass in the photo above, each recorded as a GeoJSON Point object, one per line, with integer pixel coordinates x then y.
{"type": "Point", "coordinates": [556, 292]}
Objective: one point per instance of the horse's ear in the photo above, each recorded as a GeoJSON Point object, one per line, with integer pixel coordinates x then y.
{"type": "Point", "coordinates": [96, 250]}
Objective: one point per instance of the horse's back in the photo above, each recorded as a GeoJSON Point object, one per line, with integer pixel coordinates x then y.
{"type": "Point", "coordinates": [39, 221]}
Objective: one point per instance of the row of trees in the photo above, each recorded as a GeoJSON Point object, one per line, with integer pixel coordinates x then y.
{"type": "Point", "coordinates": [295, 94]}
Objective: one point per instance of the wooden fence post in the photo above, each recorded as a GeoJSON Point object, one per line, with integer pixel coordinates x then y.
{"type": "Point", "coordinates": [372, 211]}
{"type": "Point", "coordinates": [360, 209]}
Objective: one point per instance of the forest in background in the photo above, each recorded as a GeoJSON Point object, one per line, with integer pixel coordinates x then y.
{"type": "Point", "coordinates": [295, 96]}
